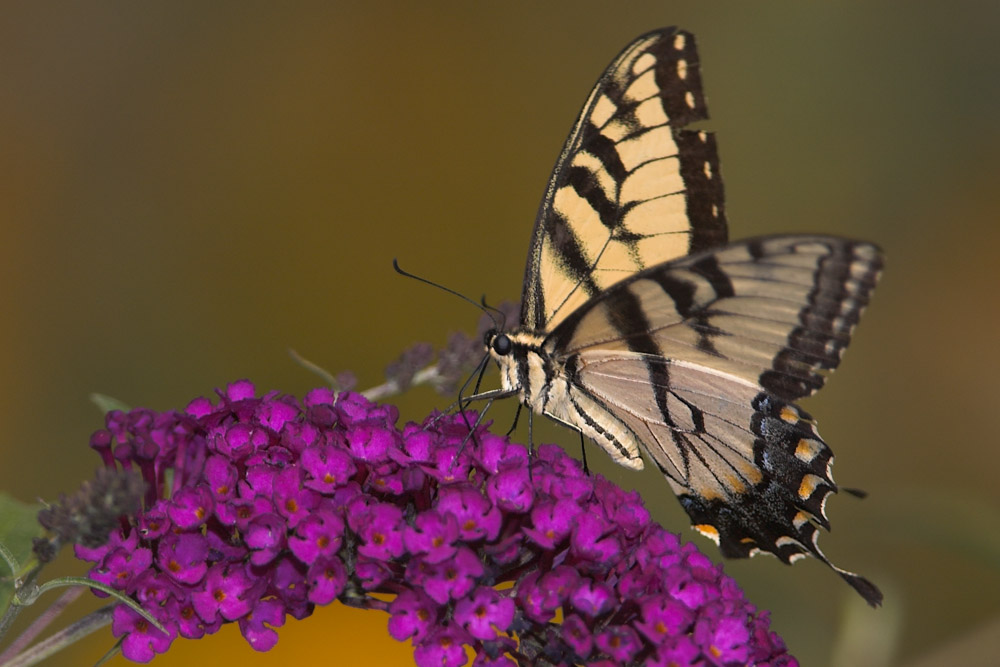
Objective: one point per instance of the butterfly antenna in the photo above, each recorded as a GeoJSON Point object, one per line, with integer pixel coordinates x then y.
{"type": "Point", "coordinates": [395, 265]}
{"type": "Point", "coordinates": [503, 315]}
{"type": "Point", "coordinates": [463, 401]}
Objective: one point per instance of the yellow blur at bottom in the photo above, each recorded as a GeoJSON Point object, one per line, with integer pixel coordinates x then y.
{"type": "Point", "coordinates": [333, 635]}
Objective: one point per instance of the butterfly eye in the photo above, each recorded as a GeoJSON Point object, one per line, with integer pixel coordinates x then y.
{"type": "Point", "coordinates": [501, 345]}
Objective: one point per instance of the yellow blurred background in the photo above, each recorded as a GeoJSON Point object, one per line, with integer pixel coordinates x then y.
{"type": "Point", "coordinates": [187, 190]}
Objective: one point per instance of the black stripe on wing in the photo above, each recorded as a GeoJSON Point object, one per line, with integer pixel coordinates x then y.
{"type": "Point", "coordinates": [842, 286]}
{"type": "Point", "coordinates": [633, 326]}
{"type": "Point", "coordinates": [700, 169]}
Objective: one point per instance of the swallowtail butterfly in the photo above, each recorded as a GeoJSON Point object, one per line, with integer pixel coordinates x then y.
{"type": "Point", "coordinates": [645, 330]}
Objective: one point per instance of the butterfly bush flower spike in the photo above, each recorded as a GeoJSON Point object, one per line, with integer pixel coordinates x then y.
{"type": "Point", "coordinates": [261, 507]}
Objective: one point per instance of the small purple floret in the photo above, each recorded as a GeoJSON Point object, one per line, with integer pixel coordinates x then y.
{"type": "Point", "coordinates": [142, 640]}
{"type": "Point", "coordinates": [485, 613]}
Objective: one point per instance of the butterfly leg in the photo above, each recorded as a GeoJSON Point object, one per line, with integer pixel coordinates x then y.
{"type": "Point", "coordinates": [531, 442]}
{"type": "Point", "coordinates": [472, 428]}
{"type": "Point", "coordinates": [583, 455]}
{"type": "Point", "coordinates": [517, 415]}
{"type": "Point", "coordinates": [531, 436]}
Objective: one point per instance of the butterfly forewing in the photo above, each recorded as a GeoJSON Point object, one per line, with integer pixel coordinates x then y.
{"type": "Point", "coordinates": [631, 188]}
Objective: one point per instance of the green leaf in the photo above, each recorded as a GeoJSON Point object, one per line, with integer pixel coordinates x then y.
{"type": "Point", "coordinates": [18, 525]}
{"type": "Point", "coordinates": [107, 403]}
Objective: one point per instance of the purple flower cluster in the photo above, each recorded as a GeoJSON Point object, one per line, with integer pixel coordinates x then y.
{"type": "Point", "coordinates": [257, 508]}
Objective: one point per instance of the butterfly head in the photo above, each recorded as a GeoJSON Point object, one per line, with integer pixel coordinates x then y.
{"type": "Point", "coordinates": [500, 347]}
{"type": "Point", "coordinates": [498, 344]}
{"type": "Point", "coordinates": [521, 360]}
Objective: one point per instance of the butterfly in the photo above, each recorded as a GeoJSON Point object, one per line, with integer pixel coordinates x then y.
{"type": "Point", "coordinates": [642, 328]}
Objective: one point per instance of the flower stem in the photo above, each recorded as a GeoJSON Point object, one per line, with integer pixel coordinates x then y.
{"type": "Point", "coordinates": [427, 375]}
{"type": "Point", "coordinates": [41, 622]}
{"type": "Point", "coordinates": [63, 638]}
{"type": "Point", "coordinates": [315, 368]}
{"type": "Point", "coordinates": [25, 593]}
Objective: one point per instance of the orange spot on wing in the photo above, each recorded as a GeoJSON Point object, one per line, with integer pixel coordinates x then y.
{"type": "Point", "coordinates": [735, 484]}
{"type": "Point", "coordinates": [807, 486]}
{"type": "Point", "coordinates": [806, 450]}
{"type": "Point", "coordinates": [708, 530]}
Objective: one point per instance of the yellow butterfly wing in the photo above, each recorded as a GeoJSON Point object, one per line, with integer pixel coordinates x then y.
{"type": "Point", "coordinates": [631, 188]}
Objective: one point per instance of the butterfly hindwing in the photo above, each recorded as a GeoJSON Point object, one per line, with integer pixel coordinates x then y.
{"type": "Point", "coordinates": [631, 188]}
{"type": "Point", "coordinates": [696, 362]}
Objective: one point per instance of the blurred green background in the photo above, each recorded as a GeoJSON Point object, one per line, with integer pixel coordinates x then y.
{"type": "Point", "coordinates": [188, 190]}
